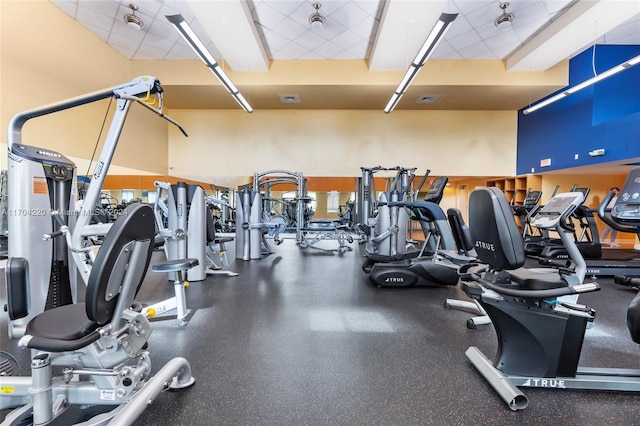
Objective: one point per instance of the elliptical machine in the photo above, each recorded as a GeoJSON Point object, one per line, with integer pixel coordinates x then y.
{"type": "Point", "coordinates": [440, 256]}
{"type": "Point", "coordinates": [540, 334]}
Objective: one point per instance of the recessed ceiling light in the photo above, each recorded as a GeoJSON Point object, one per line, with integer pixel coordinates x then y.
{"type": "Point", "coordinates": [427, 99]}
{"type": "Point", "coordinates": [290, 99]}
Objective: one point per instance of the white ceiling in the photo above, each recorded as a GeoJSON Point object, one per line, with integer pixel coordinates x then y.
{"type": "Point", "coordinates": [247, 34]}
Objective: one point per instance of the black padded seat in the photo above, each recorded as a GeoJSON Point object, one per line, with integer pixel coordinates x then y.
{"type": "Point", "coordinates": [68, 322]}
{"type": "Point", "coordinates": [532, 280]}
{"type": "Point", "coordinates": [72, 327]}
{"type": "Point", "coordinates": [460, 230]}
{"type": "Point", "coordinates": [499, 243]}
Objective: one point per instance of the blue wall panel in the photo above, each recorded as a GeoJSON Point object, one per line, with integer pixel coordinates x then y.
{"type": "Point", "coordinates": [606, 115]}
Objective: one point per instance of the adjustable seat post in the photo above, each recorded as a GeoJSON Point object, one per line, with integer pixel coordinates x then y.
{"type": "Point", "coordinates": [179, 267]}
{"type": "Point", "coordinates": [179, 284]}
{"type": "Point", "coordinates": [41, 389]}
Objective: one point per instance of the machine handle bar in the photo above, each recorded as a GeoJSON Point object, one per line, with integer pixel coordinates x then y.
{"type": "Point", "coordinates": [536, 294]}
{"type": "Point", "coordinates": [608, 220]}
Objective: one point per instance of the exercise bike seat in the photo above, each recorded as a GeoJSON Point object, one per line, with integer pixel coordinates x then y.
{"type": "Point", "coordinates": [534, 280]}
{"type": "Point", "coordinates": [498, 242]}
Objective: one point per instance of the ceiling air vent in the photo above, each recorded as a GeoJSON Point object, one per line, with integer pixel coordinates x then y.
{"type": "Point", "coordinates": [290, 99]}
{"type": "Point", "coordinates": [427, 99]}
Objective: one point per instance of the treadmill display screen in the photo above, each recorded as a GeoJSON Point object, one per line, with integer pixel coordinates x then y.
{"type": "Point", "coordinates": [627, 207]}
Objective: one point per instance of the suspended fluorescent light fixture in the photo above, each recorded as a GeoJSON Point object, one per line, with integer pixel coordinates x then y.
{"type": "Point", "coordinates": [590, 82]}
{"type": "Point", "coordinates": [198, 46]}
{"type": "Point", "coordinates": [425, 51]}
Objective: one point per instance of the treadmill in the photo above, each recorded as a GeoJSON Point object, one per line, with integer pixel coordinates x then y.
{"type": "Point", "coordinates": [624, 213]}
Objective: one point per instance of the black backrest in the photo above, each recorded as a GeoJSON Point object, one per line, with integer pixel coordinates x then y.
{"type": "Point", "coordinates": [496, 236]}
{"type": "Point", "coordinates": [136, 223]}
{"type": "Point", "coordinates": [633, 318]}
{"type": "Point", "coordinates": [211, 226]}
{"type": "Point", "coordinates": [460, 230]}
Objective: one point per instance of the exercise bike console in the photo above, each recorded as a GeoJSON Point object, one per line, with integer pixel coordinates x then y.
{"type": "Point", "coordinates": [557, 210]}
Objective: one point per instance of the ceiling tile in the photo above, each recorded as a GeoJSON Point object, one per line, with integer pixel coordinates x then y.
{"type": "Point", "coordinates": [345, 55]}
{"type": "Point", "coordinates": [346, 39]}
{"type": "Point", "coordinates": [310, 40]}
{"type": "Point", "coordinates": [172, 7]}
{"type": "Point", "coordinates": [463, 40]}
{"type": "Point", "coordinates": [533, 12]}
{"type": "Point", "coordinates": [276, 41]}
{"type": "Point", "coordinates": [363, 28]}
{"type": "Point", "coordinates": [467, 7]}
{"type": "Point", "coordinates": [89, 16]}
{"type": "Point", "coordinates": [146, 51]}
{"type": "Point", "coordinates": [101, 33]}
{"type": "Point", "coordinates": [269, 17]}
{"type": "Point", "coordinates": [181, 51]}
{"type": "Point", "coordinates": [289, 29]}
{"type": "Point", "coordinates": [294, 50]}
{"type": "Point", "coordinates": [159, 43]}
{"type": "Point", "coordinates": [107, 8]}
{"type": "Point", "coordinates": [329, 50]}
{"type": "Point", "coordinates": [124, 52]}
{"type": "Point", "coordinates": [476, 51]}
{"type": "Point", "coordinates": [349, 14]}
{"type": "Point", "coordinates": [459, 26]}
{"type": "Point", "coordinates": [359, 50]}
{"type": "Point", "coordinates": [124, 42]}
{"type": "Point", "coordinates": [349, 29]}
{"type": "Point", "coordinates": [69, 7]}
{"type": "Point", "coordinates": [160, 27]}
{"type": "Point", "coordinates": [506, 50]}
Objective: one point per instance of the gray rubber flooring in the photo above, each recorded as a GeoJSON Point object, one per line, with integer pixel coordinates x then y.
{"type": "Point", "coordinates": [301, 337]}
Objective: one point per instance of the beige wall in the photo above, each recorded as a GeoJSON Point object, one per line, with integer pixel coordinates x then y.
{"type": "Point", "coordinates": [54, 58]}
{"type": "Point", "coordinates": [225, 143]}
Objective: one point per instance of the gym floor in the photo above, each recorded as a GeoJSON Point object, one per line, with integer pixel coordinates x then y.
{"type": "Point", "coordinates": [301, 337]}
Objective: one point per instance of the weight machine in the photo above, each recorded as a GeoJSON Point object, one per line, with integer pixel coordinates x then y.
{"type": "Point", "coordinates": [184, 220]}
{"type": "Point", "coordinates": [99, 343]}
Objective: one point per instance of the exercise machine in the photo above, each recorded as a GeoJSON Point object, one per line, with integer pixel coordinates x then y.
{"type": "Point", "coordinates": [599, 262]}
{"type": "Point", "coordinates": [97, 347]}
{"type": "Point", "coordinates": [254, 222]}
{"type": "Point", "coordinates": [385, 228]}
{"type": "Point", "coordinates": [436, 262]}
{"type": "Point", "coordinates": [184, 221]}
{"type": "Point", "coordinates": [395, 215]}
{"type": "Point", "coordinates": [526, 211]}
{"type": "Point", "coordinates": [540, 333]}
{"type": "Point", "coordinates": [45, 274]}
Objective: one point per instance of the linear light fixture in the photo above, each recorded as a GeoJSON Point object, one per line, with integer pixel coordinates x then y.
{"type": "Point", "coordinates": [198, 46]}
{"type": "Point", "coordinates": [425, 51]}
{"type": "Point", "coordinates": [593, 80]}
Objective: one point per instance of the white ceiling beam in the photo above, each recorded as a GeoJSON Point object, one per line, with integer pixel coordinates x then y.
{"type": "Point", "coordinates": [572, 32]}
{"type": "Point", "coordinates": [404, 26]}
{"type": "Point", "coordinates": [231, 28]}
